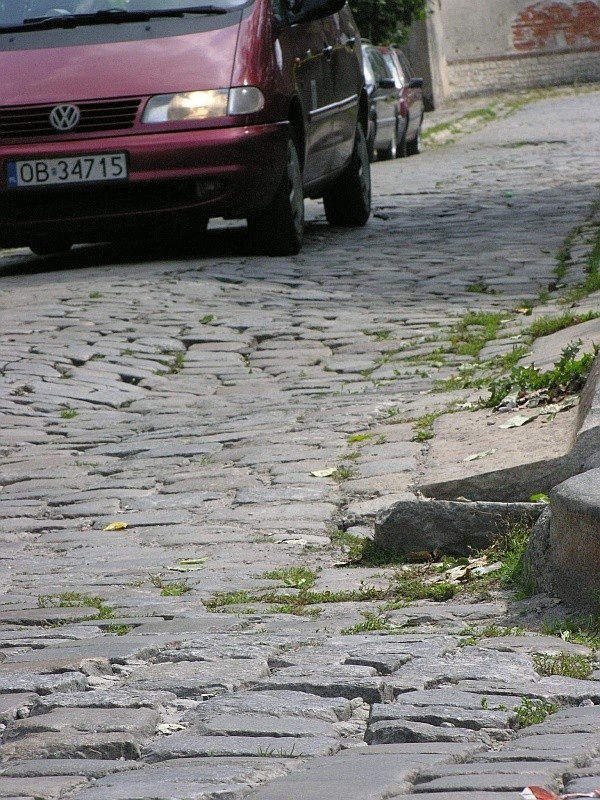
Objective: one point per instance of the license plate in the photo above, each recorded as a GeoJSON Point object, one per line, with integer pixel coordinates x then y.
{"type": "Point", "coordinates": [71, 169]}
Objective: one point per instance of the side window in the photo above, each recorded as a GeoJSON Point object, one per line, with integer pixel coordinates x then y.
{"type": "Point", "coordinates": [406, 67]}
{"type": "Point", "coordinates": [368, 70]}
{"type": "Point", "coordinates": [379, 67]}
{"type": "Point", "coordinates": [280, 12]}
{"type": "Point", "coordinates": [395, 70]}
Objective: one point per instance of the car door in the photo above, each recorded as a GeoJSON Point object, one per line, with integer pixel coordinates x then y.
{"type": "Point", "coordinates": [343, 53]}
{"type": "Point", "coordinates": [313, 80]}
{"type": "Point", "coordinates": [386, 101]}
{"type": "Point", "coordinates": [413, 94]}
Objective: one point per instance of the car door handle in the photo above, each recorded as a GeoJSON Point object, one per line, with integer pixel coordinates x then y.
{"type": "Point", "coordinates": [351, 42]}
{"type": "Point", "coordinates": [328, 50]}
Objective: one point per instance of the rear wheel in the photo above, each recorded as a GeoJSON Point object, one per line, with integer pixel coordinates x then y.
{"type": "Point", "coordinates": [389, 151]}
{"type": "Point", "coordinates": [413, 148]}
{"type": "Point", "coordinates": [278, 230]}
{"type": "Point", "coordinates": [348, 200]}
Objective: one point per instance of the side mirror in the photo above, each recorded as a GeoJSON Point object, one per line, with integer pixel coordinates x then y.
{"type": "Point", "coordinates": [415, 83]}
{"type": "Point", "coordinates": [387, 83]}
{"type": "Point", "coordinates": [315, 9]}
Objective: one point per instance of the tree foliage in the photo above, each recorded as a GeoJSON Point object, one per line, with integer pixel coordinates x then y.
{"type": "Point", "coordinates": [387, 21]}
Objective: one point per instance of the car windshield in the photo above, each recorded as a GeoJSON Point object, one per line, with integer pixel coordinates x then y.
{"type": "Point", "coordinates": [21, 12]}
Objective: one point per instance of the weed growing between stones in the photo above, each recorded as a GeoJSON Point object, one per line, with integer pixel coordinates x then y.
{"type": "Point", "coordinates": [566, 378]}
{"type": "Point", "coordinates": [274, 752]}
{"type": "Point", "coordinates": [402, 589]}
{"type": "Point", "coordinates": [579, 630]}
{"type": "Point", "coordinates": [509, 548]}
{"type": "Point", "coordinates": [473, 635]}
{"type": "Point", "coordinates": [119, 630]}
{"type": "Point", "coordinates": [570, 665]}
{"type": "Point", "coordinates": [480, 287]}
{"type": "Point", "coordinates": [363, 551]}
{"type": "Point", "coordinates": [533, 712]}
{"type": "Point", "coordinates": [294, 577]}
{"type": "Point", "coordinates": [544, 326]}
{"type": "Point", "coordinates": [592, 264]}
{"type": "Point", "coordinates": [423, 426]}
{"type": "Point", "coordinates": [76, 600]}
{"type": "Point", "coordinates": [175, 589]}
{"type": "Point", "coordinates": [175, 365]}
{"type": "Point", "coordinates": [344, 473]}
{"type": "Point", "coordinates": [372, 621]}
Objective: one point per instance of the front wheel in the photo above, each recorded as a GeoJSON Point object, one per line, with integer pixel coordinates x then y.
{"type": "Point", "coordinates": [348, 200]}
{"type": "Point", "coordinates": [278, 230]}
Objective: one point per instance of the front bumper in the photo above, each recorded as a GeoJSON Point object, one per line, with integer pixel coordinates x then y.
{"type": "Point", "coordinates": [173, 177]}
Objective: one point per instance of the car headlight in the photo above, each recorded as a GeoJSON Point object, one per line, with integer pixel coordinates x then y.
{"type": "Point", "coordinates": [240, 100]}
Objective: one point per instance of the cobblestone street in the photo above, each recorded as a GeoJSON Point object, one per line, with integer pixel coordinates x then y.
{"type": "Point", "coordinates": [180, 430]}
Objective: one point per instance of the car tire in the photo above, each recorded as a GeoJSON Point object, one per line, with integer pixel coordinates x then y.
{"type": "Point", "coordinates": [390, 151]}
{"type": "Point", "coordinates": [278, 230]}
{"type": "Point", "coordinates": [49, 247]}
{"type": "Point", "coordinates": [401, 149]}
{"type": "Point", "coordinates": [348, 200]}
{"type": "Point", "coordinates": [413, 148]}
{"type": "Point", "coordinates": [371, 145]}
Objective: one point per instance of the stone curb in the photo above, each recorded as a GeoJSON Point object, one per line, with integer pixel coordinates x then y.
{"type": "Point", "coordinates": [426, 527]}
{"type": "Point", "coordinates": [564, 550]}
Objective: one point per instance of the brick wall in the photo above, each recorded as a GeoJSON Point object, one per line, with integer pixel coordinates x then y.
{"type": "Point", "coordinates": [478, 76]}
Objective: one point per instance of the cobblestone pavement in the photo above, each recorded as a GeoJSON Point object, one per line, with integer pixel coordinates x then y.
{"type": "Point", "coordinates": [189, 399]}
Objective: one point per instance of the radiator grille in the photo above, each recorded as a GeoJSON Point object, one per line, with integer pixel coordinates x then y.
{"type": "Point", "coordinates": [34, 121]}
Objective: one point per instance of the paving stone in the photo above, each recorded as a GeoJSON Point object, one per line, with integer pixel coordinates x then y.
{"type": "Point", "coordinates": [327, 685]}
{"type": "Point", "coordinates": [42, 684]}
{"type": "Point", "coordinates": [15, 705]}
{"type": "Point", "coordinates": [71, 744]}
{"type": "Point", "coordinates": [259, 725]}
{"type": "Point", "coordinates": [195, 679]}
{"type": "Point", "coordinates": [137, 721]}
{"type": "Point", "coordinates": [189, 779]}
{"type": "Point", "coordinates": [439, 715]}
{"type": "Point", "coordinates": [347, 779]}
{"type": "Point", "coordinates": [190, 745]}
{"type": "Point", "coordinates": [48, 787]}
{"type": "Point", "coordinates": [390, 731]}
{"type": "Point", "coordinates": [277, 704]}
{"type": "Point", "coordinates": [494, 782]}
{"type": "Point", "coordinates": [59, 767]}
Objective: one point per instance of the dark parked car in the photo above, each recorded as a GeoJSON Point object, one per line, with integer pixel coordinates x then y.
{"type": "Point", "coordinates": [386, 125]}
{"type": "Point", "coordinates": [122, 116]}
{"type": "Point", "coordinates": [410, 97]}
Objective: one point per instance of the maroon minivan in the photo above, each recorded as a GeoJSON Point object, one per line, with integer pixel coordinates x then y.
{"type": "Point", "coordinates": [121, 117]}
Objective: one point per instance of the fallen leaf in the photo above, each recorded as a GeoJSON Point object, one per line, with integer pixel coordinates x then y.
{"type": "Point", "coordinates": [323, 473]}
{"type": "Point", "coordinates": [188, 564]}
{"type": "Point", "coordinates": [539, 498]}
{"type": "Point", "coordinates": [165, 728]}
{"type": "Point", "coordinates": [516, 421]}
{"type": "Point", "coordinates": [480, 455]}
{"type": "Point", "coordinates": [116, 526]}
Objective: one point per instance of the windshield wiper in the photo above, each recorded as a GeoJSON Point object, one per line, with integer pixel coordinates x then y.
{"type": "Point", "coordinates": [107, 16]}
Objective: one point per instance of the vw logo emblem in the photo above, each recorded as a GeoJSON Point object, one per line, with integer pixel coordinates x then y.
{"type": "Point", "coordinates": [64, 118]}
